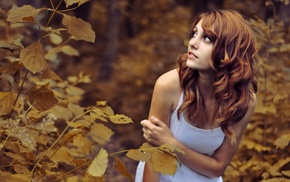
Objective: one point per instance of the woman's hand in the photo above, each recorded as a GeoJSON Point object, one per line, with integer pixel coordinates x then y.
{"type": "Point", "coordinates": [155, 131]}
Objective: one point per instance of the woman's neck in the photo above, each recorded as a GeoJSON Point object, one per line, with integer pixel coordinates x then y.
{"type": "Point", "coordinates": [205, 84]}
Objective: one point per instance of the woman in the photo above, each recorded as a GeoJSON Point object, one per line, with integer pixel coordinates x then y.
{"type": "Point", "coordinates": [203, 107]}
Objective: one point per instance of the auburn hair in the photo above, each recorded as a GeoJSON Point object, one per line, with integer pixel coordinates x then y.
{"type": "Point", "coordinates": [233, 62]}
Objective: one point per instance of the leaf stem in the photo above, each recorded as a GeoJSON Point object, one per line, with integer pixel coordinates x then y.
{"type": "Point", "coordinates": [20, 89]}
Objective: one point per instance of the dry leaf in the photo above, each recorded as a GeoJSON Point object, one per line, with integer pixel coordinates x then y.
{"type": "Point", "coordinates": [138, 155]}
{"type": "Point", "coordinates": [61, 155]}
{"type": "Point", "coordinates": [7, 100]}
{"type": "Point", "coordinates": [80, 29]}
{"type": "Point", "coordinates": [25, 13]}
{"type": "Point", "coordinates": [33, 58]}
{"type": "Point", "coordinates": [120, 119]}
{"type": "Point", "coordinates": [100, 133]}
{"type": "Point", "coordinates": [61, 112]}
{"type": "Point", "coordinates": [84, 145]}
{"type": "Point", "coordinates": [76, 109]}
{"type": "Point", "coordinates": [55, 38]}
{"type": "Point", "coordinates": [99, 164]}
{"type": "Point", "coordinates": [69, 50]}
{"type": "Point", "coordinates": [122, 169]}
{"type": "Point", "coordinates": [50, 74]}
{"type": "Point", "coordinates": [42, 98]}
{"type": "Point", "coordinates": [282, 141]}
{"type": "Point", "coordinates": [71, 2]}
{"type": "Point", "coordinates": [163, 162]}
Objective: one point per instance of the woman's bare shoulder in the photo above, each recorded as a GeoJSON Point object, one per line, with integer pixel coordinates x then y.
{"type": "Point", "coordinates": [169, 82]}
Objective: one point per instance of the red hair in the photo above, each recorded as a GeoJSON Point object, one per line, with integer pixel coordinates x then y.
{"type": "Point", "coordinates": [233, 62]}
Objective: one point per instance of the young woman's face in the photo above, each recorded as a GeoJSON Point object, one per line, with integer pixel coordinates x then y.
{"type": "Point", "coordinates": [199, 49]}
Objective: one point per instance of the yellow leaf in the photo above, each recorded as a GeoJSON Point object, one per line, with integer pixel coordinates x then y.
{"type": "Point", "coordinates": [80, 29]}
{"type": "Point", "coordinates": [22, 14]}
{"type": "Point", "coordinates": [286, 173]}
{"type": "Point", "coordinates": [138, 155]}
{"type": "Point", "coordinates": [100, 133]}
{"type": "Point", "coordinates": [76, 109]}
{"type": "Point", "coordinates": [84, 145]}
{"type": "Point", "coordinates": [61, 155]}
{"type": "Point", "coordinates": [32, 57]}
{"type": "Point", "coordinates": [75, 91]}
{"type": "Point", "coordinates": [55, 38]}
{"type": "Point", "coordinates": [163, 162]}
{"type": "Point", "coordinates": [61, 112]}
{"type": "Point", "coordinates": [27, 136]}
{"type": "Point", "coordinates": [8, 177]}
{"type": "Point", "coordinates": [71, 2]}
{"type": "Point", "coordinates": [122, 168]}
{"type": "Point", "coordinates": [99, 164]}
{"type": "Point", "coordinates": [120, 119]}
{"type": "Point", "coordinates": [69, 50]}
{"type": "Point", "coordinates": [6, 102]}
{"type": "Point", "coordinates": [42, 98]}
{"type": "Point", "coordinates": [282, 141]}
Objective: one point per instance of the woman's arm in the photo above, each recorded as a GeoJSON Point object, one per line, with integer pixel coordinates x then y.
{"type": "Point", "coordinates": [158, 133]}
{"type": "Point", "coordinates": [165, 95]}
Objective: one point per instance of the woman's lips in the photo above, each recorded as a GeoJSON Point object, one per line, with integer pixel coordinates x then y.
{"type": "Point", "coordinates": [192, 55]}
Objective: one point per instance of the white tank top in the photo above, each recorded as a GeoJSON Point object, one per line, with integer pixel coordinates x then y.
{"type": "Point", "coordinates": [204, 141]}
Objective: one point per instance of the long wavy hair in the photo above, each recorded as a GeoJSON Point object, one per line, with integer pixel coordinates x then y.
{"type": "Point", "coordinates": [234, 63]}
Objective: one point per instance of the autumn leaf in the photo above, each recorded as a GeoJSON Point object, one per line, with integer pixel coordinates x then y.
{"type": "Point", "coordinates": [42, 98]}
{"type": "Point", "coordinates": [33, 58]}
{"type": "Point", "coordinates": [50, 74]}
{"type": "Point", "coordinates": [99, 164]}
{"type": "Point", "coordinates": [55, 38]}
{"type": "Point", "coordinates": [100, 133]}
{"type": "Point", "coordinates": [163, 162]}
{"type": "Point", "coordinates": [61, 155]}
{"type": "Point", "coordinates": [282, 141]}
{"type": "Point", "coordinates": [8, 177]}
{"type": "Point", "coordinates": [83, 144]}
{"type": "Point", "coordinates": [61, 112]}
{"type": "Point", "coordinates": [76, 109]}
{"type": "Point", "coordinates": [25, 13]}
{"type": "Point", "coordinates": [27, 137]}
{"type": "Point", "coordinates": [69, 50]}
{"type": "Point", "coordinates": [80, 29]}
{"type": "Point", "coordinates": [71, 2]}
{"type": "Point", "coordinates": [89, 178]}
{"type": "Point", "coordinates": [122, 168]}
{"type": "Point", "coordinates": [138, 155]}
{"type": "Point", "coordinates": [6, 102]}
{"type": "Point", "coordinates": [120, 119]}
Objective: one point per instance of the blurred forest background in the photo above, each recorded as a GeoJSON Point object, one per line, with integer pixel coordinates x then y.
{"type": "Point", "coordinates": [136, 41]}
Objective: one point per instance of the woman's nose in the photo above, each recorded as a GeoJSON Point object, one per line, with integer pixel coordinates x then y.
{"type": "Point", "coordinates": [193, 43]}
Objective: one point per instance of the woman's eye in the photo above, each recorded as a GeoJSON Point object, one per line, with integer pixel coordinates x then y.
{"type": "Point", "coordinates": [194, 34]}
{"type": "Point", "coordinates": [207, 39]}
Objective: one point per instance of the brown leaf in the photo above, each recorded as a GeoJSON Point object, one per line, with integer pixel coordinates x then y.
{"type": "Point", "coordinates": [80, 29]}
{"type": "Point", "coordinates": [122, 168]}
{"type": "Point", "coordinates": [27, 136]}
{"type": "Point", "coordinates": [69, 50]}
{"type": "Point", "coordinates": [50, 74]}
{"type": "Point", "coordinates": [89, 178]}
{"type": "Point", "coordinates": [25, 13]}
{"type": "Point", "coordinates": [6, 102]}
{"type": "Point", "coordinates": [99, 164]}
{"type": "Point", "coordinates": [32, 57]}
{"type": "Point", "coordinates": [100, 133]}
{"type": "Point", "coordinates": [11, 68]}
{"type": "Point", "coordinates": [120, 119]}
{"type": "Point", "coordinates": [42, 98]}
{"type": "Point", "coordinates": [8, 177]}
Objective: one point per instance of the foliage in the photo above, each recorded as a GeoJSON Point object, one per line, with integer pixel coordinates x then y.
{"type": "Point", "coordinates": [45, 134]}
{"type": "Point", "coordinates": [265, 150]}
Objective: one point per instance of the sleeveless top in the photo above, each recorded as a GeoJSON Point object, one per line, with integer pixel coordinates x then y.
{"type": "Point", "coordinates": [204, 141]}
